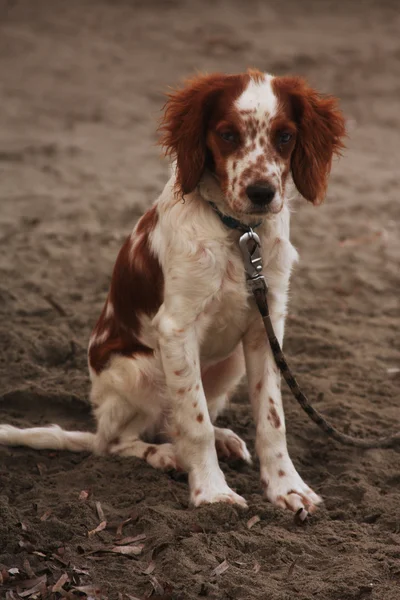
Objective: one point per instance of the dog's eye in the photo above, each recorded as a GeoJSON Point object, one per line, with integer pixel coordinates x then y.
{"type": "Point", "coordinates": [284, 137]}
{"type": "Point", "coordinates": [228, 136]}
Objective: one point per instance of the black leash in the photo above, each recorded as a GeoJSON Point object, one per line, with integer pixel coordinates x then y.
{"type": "Point", "coordinates": [250, 247]}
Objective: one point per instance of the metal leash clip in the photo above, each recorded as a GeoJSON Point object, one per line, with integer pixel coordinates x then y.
{"type": "Point", "coordinates": [250, 247]}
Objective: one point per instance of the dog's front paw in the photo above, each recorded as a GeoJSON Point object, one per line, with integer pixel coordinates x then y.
{"type": "Point", "coordinates": [228, 496]}
{"type": "Point", "coordinates": [284, 487]}
{"type": "Point", "coordinates": [213, 489]}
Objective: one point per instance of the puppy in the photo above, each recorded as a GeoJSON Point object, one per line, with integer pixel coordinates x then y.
{"type": "Point", "coordinates": [179, 328]}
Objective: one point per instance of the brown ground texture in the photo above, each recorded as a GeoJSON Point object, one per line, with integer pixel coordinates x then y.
{"type": "Point", "coordinates": [81, 88]}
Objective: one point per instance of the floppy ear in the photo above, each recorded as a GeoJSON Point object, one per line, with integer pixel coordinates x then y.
{"type": "Point", "coordinates": [183, 127]}
{"type": "Point", "coordinates": [320, 132]}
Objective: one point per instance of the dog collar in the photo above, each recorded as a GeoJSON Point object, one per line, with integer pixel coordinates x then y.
{"type": "Point", "coordinates": [231, 222]}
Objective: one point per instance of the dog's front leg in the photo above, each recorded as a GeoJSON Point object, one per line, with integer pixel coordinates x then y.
{"type": "Point", "coordinates": [282, 485]}
{"type": "Point", "coordinates": [190, 421]}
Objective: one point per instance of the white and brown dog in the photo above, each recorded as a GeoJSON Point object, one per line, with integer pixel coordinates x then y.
{"type": "Point", "coordinates": [179, 329]}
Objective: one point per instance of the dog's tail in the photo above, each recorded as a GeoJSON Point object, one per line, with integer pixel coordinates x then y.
{"type": "Point", "coordinates": [47, 438]}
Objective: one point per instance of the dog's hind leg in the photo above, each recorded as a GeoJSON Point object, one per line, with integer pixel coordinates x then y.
{"type": "Point", "coordinates": [113, 413]}
{"type": "Point", "coordinates": [229, 444]}
{"type": "Point", "coordinates": [159, 456]}
{"type": "Point", "coordinates": [120, 426]}
{"type": "Point", "coordinates": [129, 406]}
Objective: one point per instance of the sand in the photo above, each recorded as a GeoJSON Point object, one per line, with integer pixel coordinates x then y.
{"type": "Point", "coordinates": [81, 88]}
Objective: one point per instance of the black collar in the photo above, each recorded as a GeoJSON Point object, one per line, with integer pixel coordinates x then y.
{"type": "Point", "coordinates": [231, 222]}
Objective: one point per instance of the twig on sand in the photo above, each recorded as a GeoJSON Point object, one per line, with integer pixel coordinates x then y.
{"type": "Point", "coordinates": [54, 304]}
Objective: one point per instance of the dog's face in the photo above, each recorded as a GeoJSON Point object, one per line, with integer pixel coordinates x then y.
{"type": "Point", "coordinates": [250, 143]}
{"type": "Point", "coordinates": [251, 131]}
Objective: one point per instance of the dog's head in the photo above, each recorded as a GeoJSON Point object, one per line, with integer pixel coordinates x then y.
{"type": "Point", "coordinates": [250, 131]}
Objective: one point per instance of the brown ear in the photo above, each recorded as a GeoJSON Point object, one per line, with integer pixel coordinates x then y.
{"type": "Point", "coordinates": [321, 128]}
{"type": "Point", "coordinates": [183, 127]}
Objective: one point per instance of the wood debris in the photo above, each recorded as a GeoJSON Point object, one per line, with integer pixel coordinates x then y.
{"type": "Point", "coordinates": [89, 590]}
{"type": "Point", "coordinates": [32, 585]}
{"type": "Point", "coordinates": [99, 528]}
{"type": "Point", "coordinates": [4, 576]}
{"type": "Point", "coordinates": [131, 540]}
{"type": "Point", "coordinates": [26, 545]}
{"type": "Point", "coordinates": [224, 566]}
{"type": "Point", "coordinates": [253, 521]}
{"type": "Point", "coordinates": [41, 468]}
{"type": "Point", "coordinates": [60, 583]}
{"type": "Point", "coordinates": [150, 568]}
{"type": "Point", "coordinates": [128, 550]}
{"type": "Point", "coordinates": [100, 512]}
{"type": "Point", "coordinates": [67, 587]}
{"type": "Point", "coordinates": [28, 569]}
{"type": "Point", "coordinates": [119, 525]}
{"type": "Point", "coordinates": [80, 571]}
{"type": "Point", "coordinates": [158, 588]}
{"type": "Point", "coordinates": [58, 558]}
{"type": "Point", "coordinates": [46, 515]}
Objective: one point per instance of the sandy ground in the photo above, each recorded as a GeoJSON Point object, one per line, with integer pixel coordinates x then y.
{"type": "Point", "coordinates": [81, 88]}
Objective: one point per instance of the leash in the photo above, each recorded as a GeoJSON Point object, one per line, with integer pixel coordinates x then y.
{"type": "Point", "coordinates": [250, 247]}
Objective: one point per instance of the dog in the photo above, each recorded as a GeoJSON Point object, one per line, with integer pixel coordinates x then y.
{"type": "Point", "coordinates": [179, 328]}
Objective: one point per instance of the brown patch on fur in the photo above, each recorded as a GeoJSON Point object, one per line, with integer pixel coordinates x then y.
{"type": "Point", "coordinates": [149, 452]}
{"type": "Point", "coordinates": [255, 74]}
{"type": "Point", "coordinates": [281, 473]}
{"type": "Point", "coordinates": [179, 373]}
{"type": "Point", "coordinates": [271, 401]}
{"type": "Point", "coordinates": [320, 132]}
{"type": "Point", "coordinates": [194, 404]}
{"type": "Point", "coordinates": [275, 419]}
{"type": "Point", "coordinates": [200, 418]}
{"type": "Point", "coordinates": [259, 386]}
{"type": "Point", "coordinates": [113, 442]}
{"type": "Point", "coordinates": [279, 455]}
{"type": "Point", "coordinates": [137, 288]}
{"type": "Point", "coordinates": [263, 141]}
{"type": "Point", "coordinates": [197, 492]}
{"type": "Point", "coordinates": [197, 386]}
{"type": "Point", "coordinates": [181, 391]}
{"type": "Point", "coordinates": [264, 484]}
{"type": "Point", "coordinates": [188, 116]}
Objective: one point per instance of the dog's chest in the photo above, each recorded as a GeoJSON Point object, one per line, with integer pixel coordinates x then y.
{"type": "Point", "coordinates": [228, 314]}
{"type": "Point", "coordinates": [231, 310]}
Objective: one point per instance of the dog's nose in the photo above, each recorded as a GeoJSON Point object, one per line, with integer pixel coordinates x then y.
{"type": "Point", "coordinates": [261, 194]}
